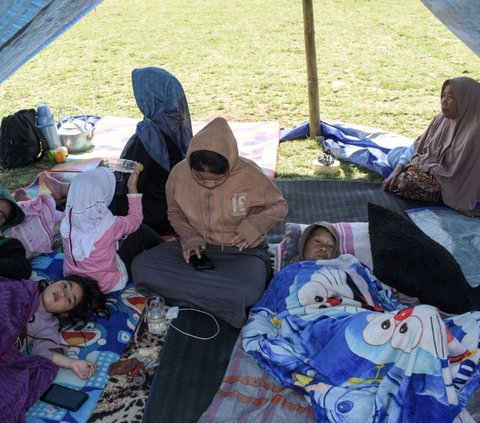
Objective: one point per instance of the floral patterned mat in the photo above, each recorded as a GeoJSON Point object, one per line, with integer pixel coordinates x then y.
{"type": "Point", "coordinates": [125, 395]}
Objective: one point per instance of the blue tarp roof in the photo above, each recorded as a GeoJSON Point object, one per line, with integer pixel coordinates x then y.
{"type": "Point", "coordinates": [462, 17]}
{"type": "Point", "coordinates": [28, 26]}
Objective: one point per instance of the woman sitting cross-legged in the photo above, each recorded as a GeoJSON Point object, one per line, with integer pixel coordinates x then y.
{"type": "Point", "coordinates": [221, 205]}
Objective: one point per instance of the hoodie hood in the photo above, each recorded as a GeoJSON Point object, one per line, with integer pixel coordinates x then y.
{"type": "Point", "coordinates": [320, 224]}
{"type": "Point", "coordinates": [18, 216]}
{"type": "Point", "coordinates": [216, 136]}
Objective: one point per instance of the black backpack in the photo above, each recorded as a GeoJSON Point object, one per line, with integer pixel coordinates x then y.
{"type": "Point", "coordinates": [21, 142]}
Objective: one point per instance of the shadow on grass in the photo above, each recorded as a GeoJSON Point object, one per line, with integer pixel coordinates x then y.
{"type": "Point", "coordinates": [347, 172]}
{"type": "Point", "coordinates": [21, 177]}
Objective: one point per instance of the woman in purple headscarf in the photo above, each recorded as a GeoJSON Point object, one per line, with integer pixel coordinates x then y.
{"type": "Point", "coordinates": [159, 143]}
{"type": "Point", "coordinates": [442, 164]}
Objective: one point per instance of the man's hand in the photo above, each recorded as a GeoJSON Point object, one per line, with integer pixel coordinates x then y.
{"type": "Point", "coordinates": [197, 250]}
{"type": "Point", "coordinates": [240, 242]}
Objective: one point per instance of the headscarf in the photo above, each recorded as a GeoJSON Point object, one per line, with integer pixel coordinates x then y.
{"type": "Point", "coordinates": [450, 148]}
{"type": "Point", "coordinates": [161, 99]}
{"type": "Point", "coordinates": [87, 216]}
{"type": "Point", "coordinates": [308, 230]}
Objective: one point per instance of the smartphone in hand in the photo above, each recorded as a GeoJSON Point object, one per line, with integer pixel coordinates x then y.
{"type": "Point", "coordinates": [64, 397]}
{"type": "Point", "coordinates": [202, 263]}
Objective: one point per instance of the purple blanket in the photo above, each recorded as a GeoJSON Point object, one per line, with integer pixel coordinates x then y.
{"type": "Point", "coordinates": [23, 378]}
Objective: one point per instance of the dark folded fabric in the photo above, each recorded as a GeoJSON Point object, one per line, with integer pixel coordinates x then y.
{"type": "Point", "coordinates": [190, 370]}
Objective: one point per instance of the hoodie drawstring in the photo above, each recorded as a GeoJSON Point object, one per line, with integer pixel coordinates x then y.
{"type": "Point", "coordinates": [199, 196]}
{"type": "Point", "coordinates": [221, 202]}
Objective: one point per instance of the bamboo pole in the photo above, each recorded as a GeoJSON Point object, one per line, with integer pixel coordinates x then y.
{"type": "Point", "coordinates": [312, 76]}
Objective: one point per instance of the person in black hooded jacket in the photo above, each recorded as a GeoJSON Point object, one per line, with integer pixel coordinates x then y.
{"type": "Point", "coordinates": [13, 261]}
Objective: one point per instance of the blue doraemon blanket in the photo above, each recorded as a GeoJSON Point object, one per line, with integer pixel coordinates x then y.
{"type": "Point", "coordinates": [332, 331]}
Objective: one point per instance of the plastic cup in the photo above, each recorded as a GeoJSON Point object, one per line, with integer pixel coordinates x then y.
{"type": "Point", "coordinates": [156, 317]}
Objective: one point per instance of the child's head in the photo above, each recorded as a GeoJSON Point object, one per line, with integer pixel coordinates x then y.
{"type": "Point", "coordinates": [91, 192]}
{"type": "Point", "coordinates": [75, 297]}
{"type": "Point", "coordinates": [87, 216]}
{"type": "Point", "coordinates": [11, 213]}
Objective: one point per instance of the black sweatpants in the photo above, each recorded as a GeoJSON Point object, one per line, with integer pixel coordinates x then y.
{"type": "Point", "coordinates": [137, 242]}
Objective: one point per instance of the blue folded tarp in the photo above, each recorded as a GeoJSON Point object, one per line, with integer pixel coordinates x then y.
{"type": "Point", "coordinates": [365, 147]}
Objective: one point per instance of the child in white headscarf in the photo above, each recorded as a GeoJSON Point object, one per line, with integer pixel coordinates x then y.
{"type": "Point", "coordinates": [93, 238]}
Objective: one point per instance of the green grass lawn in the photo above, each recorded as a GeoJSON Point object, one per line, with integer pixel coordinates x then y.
{"type": "Point", "coordinates": [380, 63]}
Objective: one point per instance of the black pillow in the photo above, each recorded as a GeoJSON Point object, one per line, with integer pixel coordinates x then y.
{"type": "Point", "coordinates": [408, 260]}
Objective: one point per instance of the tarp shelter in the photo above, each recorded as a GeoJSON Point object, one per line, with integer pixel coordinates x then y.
{"type": "Point", "coordinates": [462, 17]}
{"type": "Point", "coordinates": [28, 26]}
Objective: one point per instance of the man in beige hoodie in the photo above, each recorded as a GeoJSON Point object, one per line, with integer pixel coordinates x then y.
{"type": "Point", "coordinates": [221, 205]}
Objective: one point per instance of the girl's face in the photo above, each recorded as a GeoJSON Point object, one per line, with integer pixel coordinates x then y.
{"type": "Point", "coordinates": [449, 103]}
{"type": "Point", "coordinates": [61, 296]}
{"type": "Point", "coordinates": [207, 179]}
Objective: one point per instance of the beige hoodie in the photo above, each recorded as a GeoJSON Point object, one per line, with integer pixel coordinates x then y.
{"type": "Point", "coordinates": [247, 202]}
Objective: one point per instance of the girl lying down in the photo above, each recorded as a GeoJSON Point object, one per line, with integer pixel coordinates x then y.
{"type": "Point", "coordinates": [31, 350]}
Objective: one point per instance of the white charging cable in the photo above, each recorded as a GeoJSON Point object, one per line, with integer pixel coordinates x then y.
{"type": "Point", "coordinates": [174, 313]}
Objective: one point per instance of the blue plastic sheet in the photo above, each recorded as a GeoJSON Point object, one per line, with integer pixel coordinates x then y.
{"type": "Point", "coordinates": [352, 145]}
{"type": "Point", "coordinates": [459, 234]}
{"type": "Point", "coordinates": [27, 27]}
